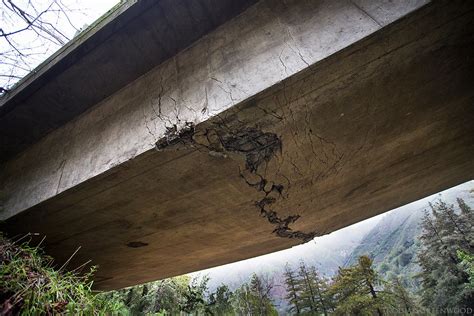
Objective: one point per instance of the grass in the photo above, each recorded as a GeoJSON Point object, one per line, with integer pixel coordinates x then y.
{"type": "Point", "coordinates": [30, 285]}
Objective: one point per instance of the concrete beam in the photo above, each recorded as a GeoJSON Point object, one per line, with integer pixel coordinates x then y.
{"type": "Point", "coordinates": [131, 39]}
{"type": "Point", "coordinates": [292, 120]}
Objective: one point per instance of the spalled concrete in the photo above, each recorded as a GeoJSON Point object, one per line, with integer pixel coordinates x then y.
{"type": "Point", "coordinates": [292, 120]}
{"type": "Point", "coordinates": [131, 39]}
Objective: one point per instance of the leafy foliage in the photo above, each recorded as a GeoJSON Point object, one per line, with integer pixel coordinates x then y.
{"type": "Point", "coordinates": [254, 298]}
{"type": "Point", "coordinates": [220, 302]}
{"type": "Point", "coordinates": [167, 297]}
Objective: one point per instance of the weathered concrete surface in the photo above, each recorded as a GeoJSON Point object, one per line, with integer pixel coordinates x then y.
{"type": "Point", "coordinates": [130, 40]}
{"type": "Point", "coordinates": [268, 43]}
{"type": "Point", "coordinates": [270, 151]}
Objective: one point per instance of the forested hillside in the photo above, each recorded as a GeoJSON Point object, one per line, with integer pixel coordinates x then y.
{"type": "Point", "coordinates": [393, 242]}
{"type": "Point", "coordinates": [418, 258]}
{"type": "Point", "coordinates": [392, 245]}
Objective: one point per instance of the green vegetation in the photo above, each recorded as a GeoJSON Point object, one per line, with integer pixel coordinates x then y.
{"type": "Point", "coordinates": [393, 247]}
{"type": "Point", "coordinates": [431, 272]}
{"type": "Point", "coordinates": [254, 298]}
{"type": "Point", "coordinates": [467, 265]}
{"type": "Point", "coordinates": [445, 257]}
{"type": "Point", "coordinates": [29, 285]}
{"type": "Point", "coordinates": [433, 251]}
{"type": "Point", "coordinates": [169, 297]}
{"type": "Point", "coordinates": [183, 295]}
{"type": "Point", "coordinates": [356, 290]}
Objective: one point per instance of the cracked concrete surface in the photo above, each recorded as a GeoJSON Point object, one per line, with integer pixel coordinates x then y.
{"type": "Point", "coordinates": [290, 121]}
{"type": "Point", "coordinates": [233, 63]}
{"type": "Point", "coordinates": [243, 57]}
{"type": "Point", "coordinates": [258, 148]}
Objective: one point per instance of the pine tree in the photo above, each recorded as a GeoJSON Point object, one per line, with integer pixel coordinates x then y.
{"type": "Point", "coordinates": [445, 284]}
{"type": "Point", "coordinates": [313, 290]}
{"type": "Point", "coordinates": [354, 289]}
{"type": "Point", "coordinates": [397, 298]}
{"type": "Point", "coordinates": [321, 286]}
{"type": "Point", "coordinates": [308, 296]}
{"type": "Point", "coordinates": [466, 222]}
{"type": "Point", "coordinates": [293, 289]}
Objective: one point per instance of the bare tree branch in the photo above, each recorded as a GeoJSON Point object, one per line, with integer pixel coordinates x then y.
{"type": "Point", "coordinates": [29, 31]}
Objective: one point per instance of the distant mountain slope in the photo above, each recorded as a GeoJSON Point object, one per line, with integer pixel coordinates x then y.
{"type": "Point", "coordinates": [390, 239]}
{"type": "Point", "coordinates": [393, 242]}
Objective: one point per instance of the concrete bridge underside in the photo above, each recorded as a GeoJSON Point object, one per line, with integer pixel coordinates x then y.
{"type": "Point", "coordinates": [289, 121]}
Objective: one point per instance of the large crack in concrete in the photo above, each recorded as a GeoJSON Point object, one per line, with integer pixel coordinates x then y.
{"type": "Point", "coordinates": [258, 148]}
{"type": "Point", "coordinates": [175, 135]}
